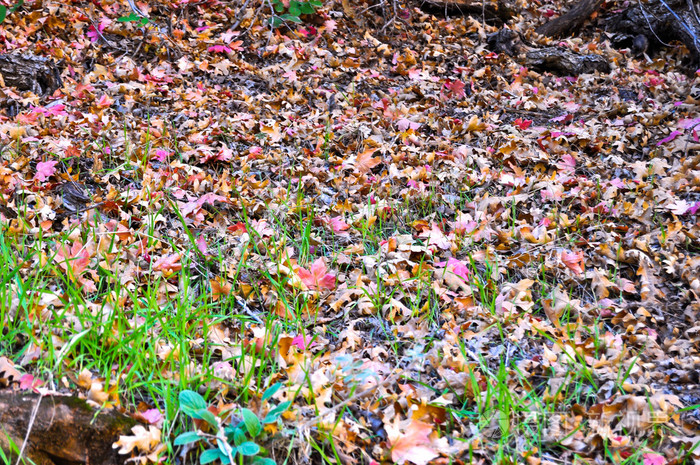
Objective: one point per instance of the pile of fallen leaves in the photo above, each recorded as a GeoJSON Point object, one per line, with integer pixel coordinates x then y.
{"type": "Point", "coordinates": [410, 221]}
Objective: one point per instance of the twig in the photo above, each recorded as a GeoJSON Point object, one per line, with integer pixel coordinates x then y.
{"type": "Point", "coordinates": [29, 428]}
{"type": "Point", "coordinates": [240, 15]}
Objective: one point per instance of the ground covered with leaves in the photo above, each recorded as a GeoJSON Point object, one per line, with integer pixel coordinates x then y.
{"type": "Point", "coordinates": [366, 237]}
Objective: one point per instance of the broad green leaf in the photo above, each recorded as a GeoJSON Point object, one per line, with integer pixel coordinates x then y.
{"type": "Point", "coordinates": [3, 13]}
{"type": "Point", "coordinates": [275, 413]}
{"type": "Point", "coordinates": [288, 17]}
{"type": "Point", "coordinates": [271, 391]}
{"type": "Point", "coordinates": [207, 416]}
{"type": "Point", "coordinates": [186, 438]}
{"type": "Point", "coordinates": [294, 10]}
{"type": "Point", "coordinates": [208, 456]}
{"type": "Point", "coordinates": [239, 437]}
{"type": "Point", "coordinates": [252, 423]}
{"type": "Point", "coordinates": [16, 6]}
{"type": "Point", "coordinates": [191, 402]}
{"type": "Point", "coordinates": [249, 448]}
{"type": "Point", "coordinates": [263, 461]}
{"type": "Point", "coordinates": [307, 8]}
{"type": "Point", "coordinates": [226, 448]}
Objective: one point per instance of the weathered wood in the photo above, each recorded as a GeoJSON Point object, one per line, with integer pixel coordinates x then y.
{"type": "Point", "coordinates": [571, 21]}
{"type": "Point", "coordinates": [660, 22]}
{"type": "Point", "coordinates": [561, 61]}
{"type": "Point", "coordinates": [492, 10]}
{"type": "Point", "coordinates": [28, 72]}
{"type": "Point", "coordinates": [506, 41]}
{"type": "Point", "coordinates": [66, 430]}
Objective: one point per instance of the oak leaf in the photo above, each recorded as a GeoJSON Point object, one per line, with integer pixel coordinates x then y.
{"type": "Point", "coordinates": [413, 444]}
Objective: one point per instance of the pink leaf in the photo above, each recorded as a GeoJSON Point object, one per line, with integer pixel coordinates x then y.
{"type": "Point", "coordinates": [404, 124]}
{"type": "Point", "coordinates": [669, 138]}
{"type": "Point", "coordinates": [219, 49]}
{"type": "Point", "coordinates": [573, 260]}
{"type": "Point", "coordinates": [104, 101]}
{"type": "Point", "coordinates": [454, 90]}
{"type": "Point", "coordinates": [338, 225]}
{"type": "Point", "coordinates": [161, 155]}
{"type": "Point", "coordinates": [301, 342]}
{"type": "Point", "coordinates": [317, 277]}
{"type": "Point", "coordinates": [44, 170]}
{"type": "Point", "coordinates": [168, 264]}
{"type": "Point", "coordinates": [330, 25]}
{"type": "Point", "coordinates": [202, 244]}
{"type": "Point", "coordinates": [153, 416]}
{"type": "Point", "coordinates": [412, 444]}
{"type": "Point", "coordinates": [654, 459]}
{"type": "Point", "coordinates": [457, 267]}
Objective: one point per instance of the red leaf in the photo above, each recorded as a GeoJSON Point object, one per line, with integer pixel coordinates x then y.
{"type": "Point", "coordinates": [522, 124]}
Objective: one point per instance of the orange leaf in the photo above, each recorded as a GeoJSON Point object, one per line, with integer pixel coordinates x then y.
{"type": "Point", "coordinates": [365, 162]}
{"type": "Point", "coordinates": [573, 260]}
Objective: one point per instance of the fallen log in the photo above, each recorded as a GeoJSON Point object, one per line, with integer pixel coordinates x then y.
{"type": "Point", "coordinates": [660, 22]}
{"type": "Point", "coordinates": [571, 21]}
{"type": "Point", "coordinates": [561, 61]}
{"type": "Point", "coordinates": [64, 430]}
{"type": "Point", "coordinates": [28, 72]}
{"type": "Point", "coordinates": [496, 11]}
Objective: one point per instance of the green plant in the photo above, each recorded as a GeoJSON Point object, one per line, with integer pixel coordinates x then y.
{"type": "Point", "coordinates": [291, 10]}
{"type": "Point", "coordinates": [5, 10]}
{"type": "Point", "coordinates": [133, 17]}
{"type": "Point", "coordinates": [233, 434]}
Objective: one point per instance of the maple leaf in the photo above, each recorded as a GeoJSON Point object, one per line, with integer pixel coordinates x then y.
{"type": "Point", "coordinates": [364, 161]}
{"type": "Point", "coordinates": [44, 170]}
{"type": "Point", "coordinates": [317, 277]}
{"type": "Point", "coordinates": [104, 101]}
{"type": "Point", "coordinates": [454, 90]}
{"type": "Point", "coordinates": [76, 258]}
{"type": "Point", "coordinates": [338, 225]}
{"type": "Point", "coordinates": [413, 444]}
{"type": "Point", "coordinates": [522, 124]}
{"type": "Point", "coordinates": [573, 260]}
{"type": "Point", "coordinates": [330, 25]}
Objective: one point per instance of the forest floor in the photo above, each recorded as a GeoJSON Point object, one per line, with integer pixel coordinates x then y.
{"type": "Point", "coordinates": [364, 238]}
